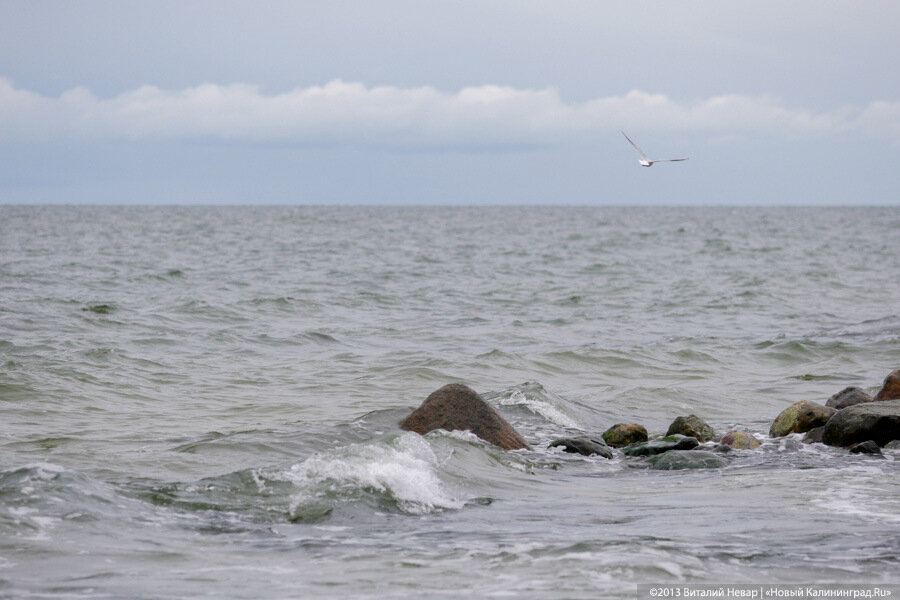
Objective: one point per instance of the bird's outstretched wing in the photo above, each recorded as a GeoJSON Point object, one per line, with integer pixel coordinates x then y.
{"type": "Point", "coordinates": [668, 159]}
{"type": "Point", "coordinates": [636, 147]}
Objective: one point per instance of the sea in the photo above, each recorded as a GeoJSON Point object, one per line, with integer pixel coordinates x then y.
{"type": "Point", "coordinates": [204, 402]}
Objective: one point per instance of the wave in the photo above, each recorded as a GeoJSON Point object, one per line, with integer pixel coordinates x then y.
{"type": "Point", "coordinates": [537, 400]}
{"type": "Point", "coordinates": [401, 473]}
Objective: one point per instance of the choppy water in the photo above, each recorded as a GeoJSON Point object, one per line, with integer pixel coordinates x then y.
{"type": "Point", "coordinates": [204, 401]}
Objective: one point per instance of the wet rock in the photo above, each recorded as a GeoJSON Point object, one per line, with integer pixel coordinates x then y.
{"type": "Point", "coordinates": [695, 459]}
{"type": "Point", "coordinates": [459, 407]}
{"type": "Point", "coordinates": [849, 396]}
{"type": "Point", "coordinates": [867, 447]}
{"type": "Point", "coordinates": [623, 434]}
{"type": "Point", "coordinates": [740, 440]}
{"type": "Point", "coordinates": [661, 445]}
{"type": "Point", "coordinates": [800, 417]}
{"type": "Point", "coordinates": [583, 445]}
{"type": "Point", "coordinates": [692, 426]}
{"type": "Point", "coordinates": [890, 389]}
{"type": "Point", "coordinates": [876, 421]}
{"type": "Point", "coordinates": [722, 448]}
{"type": "Point", "coordinates": [814, 435]}
{"type": "Point", "coordinates": [892, 445]}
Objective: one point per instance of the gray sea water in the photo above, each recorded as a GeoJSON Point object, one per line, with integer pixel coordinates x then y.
{"type": "Point", "coordinates": [203, 402]}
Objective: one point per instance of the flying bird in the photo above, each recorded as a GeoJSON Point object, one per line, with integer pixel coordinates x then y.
{"type": "Point", "coordinates": [647, 162]}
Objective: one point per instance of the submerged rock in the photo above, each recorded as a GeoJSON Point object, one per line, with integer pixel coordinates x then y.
{"type": "Point", "coordinates": [800, 417]}
{"type": "Point", "coordinates": [583, 445]}
{"type": "Point", "coordinates": [890, 389]}
{"type": "Point", "coordinates": [876, 421]}
{"type": "Point", "coordinates": [867, 447]}
{"type": "Point", "coordinates": [849, 396]}
{"type": "Point", "coordinates": [661, 445]}
{"type": "Point", "coordinates": [623, 434]}
{"type": "Point", "coordinates": [740, 440]}
{"type": "Point", "coordinates": [695, 459]}
{"type": "Point", "coordinates": [692, 426]}
{"type": "Point", "coordinates": [459, 407]}
{"type": "Point", "coordinates": [814, 435]}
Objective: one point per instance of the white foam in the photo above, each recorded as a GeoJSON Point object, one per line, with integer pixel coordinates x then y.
{"type": "Point", "coordinates": [463, 435]}
{"type": "Point", "coordinates": [540, 407]}
{"type": "Point", "coordinates": [862, 494]}
{"type": "Point", "coordinates": [404, 468]}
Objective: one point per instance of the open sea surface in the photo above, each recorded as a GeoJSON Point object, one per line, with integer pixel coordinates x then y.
{"type": "Point", "coordinates": [204, 402]}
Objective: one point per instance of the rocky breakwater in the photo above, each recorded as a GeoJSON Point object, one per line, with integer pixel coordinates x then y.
{"type": "Point", "coordinates": [850, 418]}
{"type": "Point", "coordinates": [456, 407]}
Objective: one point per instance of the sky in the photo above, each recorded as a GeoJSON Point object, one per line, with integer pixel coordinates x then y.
{"type": "Point", "coordinates": [449, 102]}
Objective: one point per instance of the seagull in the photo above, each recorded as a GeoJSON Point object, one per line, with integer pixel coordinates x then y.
{"type": "Point", "coordinates": [646, 162]}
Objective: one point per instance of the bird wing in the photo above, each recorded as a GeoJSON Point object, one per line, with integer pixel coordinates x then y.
{"type": "Point", "coordinates": [636, 147]}
{"type": "Point", "coordinates": [668, 159]}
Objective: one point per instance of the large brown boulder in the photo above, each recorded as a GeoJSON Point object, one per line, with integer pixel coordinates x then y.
{"type": "Point", "coordinates": [800, 417]}
{"type": "Point", "coordinates": [459, 407]}
{"type": "Point", "coordinates": [876, 421]}
{"type": "Point", "coordinates": [848, 397]}
{"type": "Point", "coordinates": [891, 388]}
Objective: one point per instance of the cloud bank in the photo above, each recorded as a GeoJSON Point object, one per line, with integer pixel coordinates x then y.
{"type": "Point", "coordinates": [351, 113]}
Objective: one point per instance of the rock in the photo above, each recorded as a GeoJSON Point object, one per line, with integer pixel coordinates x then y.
{"type": "Point", "coordinates": [692, 426]}
{"type": "Point", "coordinates": [814, 435]}
{"type": "Point", "coordinates": [890, 390]}
{"type": "Point", "coordinates": [660, 445]}
{"type": "Point", "coordinates": [740, 440]}
{"type": "Point", "coordinates": [695, 459]}
{"type": "Point", "coordinates": [848, 397]}
{"type": "Point", "coordinates": [867, 447]}
{"type": "Point", "coordinates": [800, 417]}
{"type": "Point", "coordinates": [876, 421]}
{"type": "Point", "coordinates": [892, 445]}
{"type": "Point", "coordinates": [583, 445]}
{"type": "Point", "coordinates": [459, 407]}
{"type": "Point", "coordinates": [623, 434]}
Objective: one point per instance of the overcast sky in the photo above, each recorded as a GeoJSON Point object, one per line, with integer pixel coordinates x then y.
{"type": "Point", "coordinates": [419, 102]}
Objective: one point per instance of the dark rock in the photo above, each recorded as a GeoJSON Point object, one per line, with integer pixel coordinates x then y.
{"type": "Point", "coordinates": [584, 445]}
{"type": "Point", "coordinates": [722, 448]}
{"type": "Point", "coordinates": [696, 459]}
{"type": "Point", "coordinates": [459, 407]}
{"type": "Point", "coordinates": [848, 397]}
{"type": "Point", "coordinates": [890, 390]}
{"type": "Point", "coordinates": [623, 434]}
{"type": "Point", "coordinates": [660, 445]}
{"type": "Point", "coordinates": [800, 417]}
{"type": "Point", "coordinates": [740, 440]}
{"type": "Point", "coordinates": [814, 435]}
{"type": "Point", "coordinates": [876, 421]}
{"type": "Point", "coordinates": [867, 447]}
{"type": "Point", "coordinates": [692, 426]}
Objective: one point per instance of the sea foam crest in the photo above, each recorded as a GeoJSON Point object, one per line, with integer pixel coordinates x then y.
{"type": "Point", "coordinates": [403, 468]}
{"type": "Point", "coordinates": [540, 407]}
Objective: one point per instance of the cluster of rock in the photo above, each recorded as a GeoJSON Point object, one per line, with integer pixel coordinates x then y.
{"type": "Point", "coordinates": [851, 419]}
